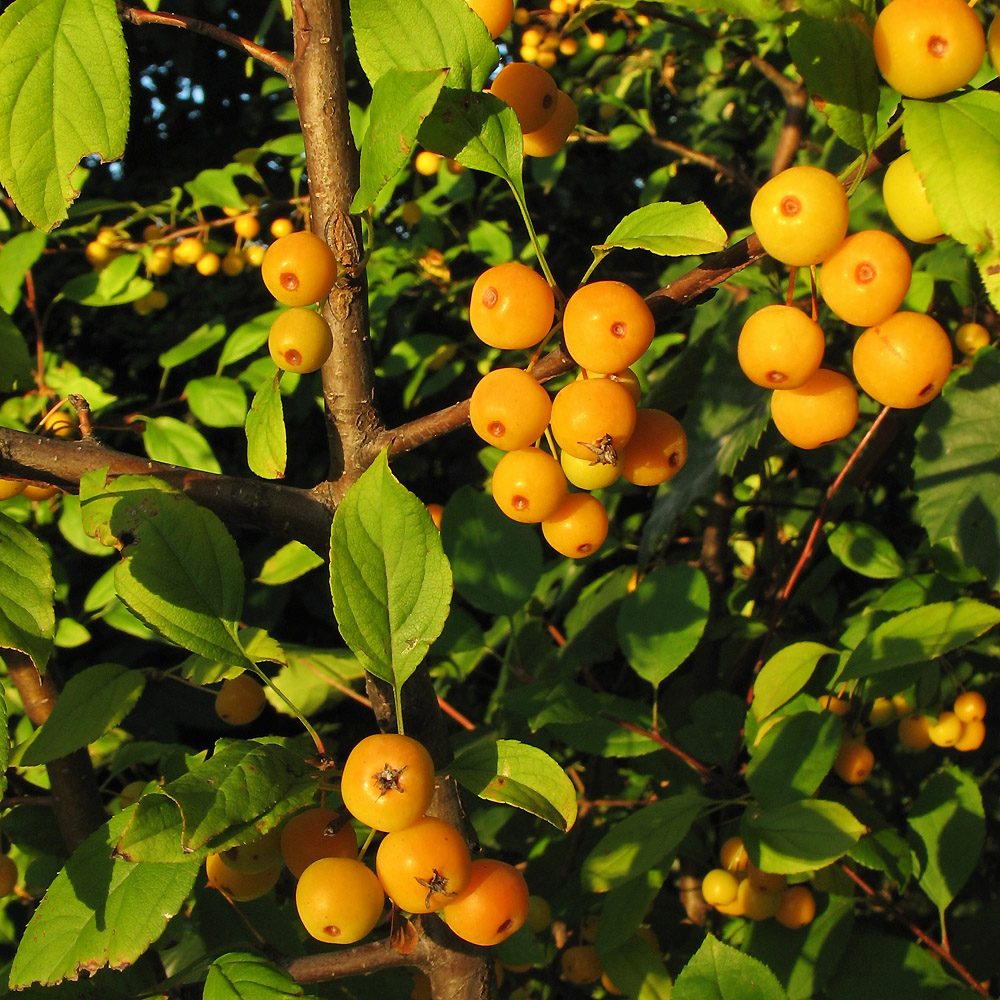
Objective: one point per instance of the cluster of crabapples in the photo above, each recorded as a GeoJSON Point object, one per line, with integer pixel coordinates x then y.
{"type": "Point", "coordinates": [738, 888]}
{"type": "Point", "coordinates": [594, 422]}
{"type": "Point", "coordinates": [422, 864]}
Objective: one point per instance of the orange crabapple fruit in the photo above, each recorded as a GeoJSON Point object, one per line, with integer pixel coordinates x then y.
{"type": "Point", "coordinates": [593, 418]}
{"type": "Point", "coordinates": [8, 874]}
{"type": "Point", "coordinates": [239, 700]}
{"type": "Point", "coordinates": [765, 881]}
{"type": "Point", "coordinates": [246, 225]}
{"type": "Point", "coordinates": [590, 474]}
{"type": "Point", "coordinates": [299, 340]}
{"type": "Point", "coordinates": [495, 14]}
{"type": "Point", "coordinates": [528, 485]}
{"type": "Point", "coordinates": [758, 903]}
{"type": "Point", "coordinates": [970, 337]}
{"type": "Point", "coordinates": [36, 491]}
{"type": "Point", "coordinates": [972, 736]}
{"type": "Point", "coordinates": [657, 449]}
{"type": "Point", "coordinates": [509, 408]}
{"type": "Point", "coordinates": [188, 251]}
{"type": "Point", "coordinates": [946, 730]}
{"type": "Point", "coordinates": [339, 900]}
{"type": "Point", "coordinates": [491, 907]}
{"type": "Point", "coordinates": [240, 886]}
{"type": "Point", "coordinates": [255, 856]}
{"type": "Point", "coordinates": [865, 280]}
{"type": "Point", "coordinates": [512, 306]}
{"type": "Point", "coordinates": [907, 204]}
{"type": "Point", "coordinates": [970, 706]}
{"type": "Point", "coordinates": [580, 964]}
{"type": "Point", "coordinates": [299, 269]}
{"type": "Point", "coordinates": [733, 855]}
{"type": "Point", "coordinates": [821, 410]}
{"type": "Point", "coordinates": [313, 834]}
{"type": "Point", "coordinates": [424, 866]}
{"type": "Point", "coordinates": [552, 136]}
{"type": "Point", "coordinates": [607, 326]}
{"type": "Point", "coordinates": [578, 527]}
{"type": "Point", "coordinates": [854, 761]}
{"type": "Point", "coordinates": [436, 510]}
{"type": "Point", "coordinates": [780, 347]}
{"type": "Point", "coordinates": [626, 377]}
{"type": "Point", "coordinates": [800, 215]}
{"type": "Point", "coordinates": [388, 781]}
{"type": "Point", "coordinates": [529, 90]}
{"type": "Point", "coordinates": [208, 264]}
{"type": "Point", "coordinates": [926, 48]}
{"type": "Point", "coordinates": [914, 732]}
{"type": "Point", "coordinates": [426, 163]}
{"type": "Point", "coordinates": [904, 361]}
{"type": "Point", "coordinates": [798, 907]}
{"type": "Point", "coordinates": [831, 703]}
{"type": "Point", "coordinates": [11, 488]}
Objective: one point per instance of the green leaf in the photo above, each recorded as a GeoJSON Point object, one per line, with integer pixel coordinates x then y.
{"type": "Point", "coordinates": [423, 34]}
{"type": "Point", "coordinates": [661, 621]}
{"type": "Point", "coordinates": [800, 836]}
{"type": "Point", "coordinates": [793, 757]}
{"type": "Point", "coordinates": [114, 285]}
{"type": "Point", "coordinates": [640, 842]}
{"type": "Point", "coordinates": [956, 468]}
{"type": "Point", "coordinates": [804, 959]}
{"type": "Point", "coordinates": [866, 550]}
{"type": "Point", "coordinates": [635, 969]}
{"type": "Point", "coordinates": [669, 229]}
{"type": "Point", "coordinates": [193, 345]}
{"type": "Point", "coordinates": [99, 911]}
{"type": "Point", "coordinates": [290, 562]}
{"type": "Point", "coordinates": [245, 976]}
{"type": "Point", "coordinates": [718, 971]}
{"type": "Point", "coordinates": [180, 572]}
{"type": "Point", "coordinates": [836, 60]}
{"type": "Point", "coordinates": [496, 562]}
{"type": "Point", "coordinates": [169, 440]}
{"type": "Point", "coordinates": [240, 793]}
{"type": "Point", "coordinates": [947, 831]}
{"type": "Point", "coordinates": [64, 94]}
{"type": "Point", "coordinates": [17, 256]}
{"type": "Point", "coordinates": [217, 187]}
{"type": "Point", "coordinates": [784, 675]}
{"type": "Point", "coordinates": [15, 362]}
{"type": "Point", "coordinates": [401, 100]}
{"type": "Point", "coordinates": [267, 450]}
{"type": "Point", "coordinates": [27, 594]}
{"type": "Point", "coordinates": [92, 701]}
{"type": "Point", "coordinates": [4, 745]}
{"type": "Point", "coordinates": [521, 775]}
{"type": "Point", "coordinates": [247, 338]}
{"type": "Point", "coordinates": [956, 149]}
{"type": "Point", "coordinates": [919, 634]}
{"type": "Point", "coordinates": [217, 401]}
{"type": "Point", "coordinates": [390, 579]}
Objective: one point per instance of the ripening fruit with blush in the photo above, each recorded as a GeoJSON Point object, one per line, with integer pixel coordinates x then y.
{"type": "Point", "coordinates": [491, 907]}
{"type": "Point", "coordinates": [240, 700]}
{"type": "Point", "coordinates": [800, 215]}
{"type": "Point", "coordinates": [528, 485]}
{"type": "Point", "coordinates": [854, 761]}
{"type": "Point", "coordinates": [970, 337]}
{"type": "Point", "coordinates": [388, 781]}
{"type": "Point", "coordinates": [733, 855]}
{"type": "Point", "coordinates": [8, 874]}
{"type": "Point", "coordinates": [718, 887]}
{"type": "Point", "coordinates": [865, 280]}
{"type": "Point", "coordinates": [512, 306]}
{"type": "Point", "coordinates": [906, 201]}
{"type": "Point", "coordinates": [926, 48]}
{"type": "Point", "coordinates": [256, 856]}
{"type": "Point", "coordinates": [970, 706]}
{"type": "Point", "coordinates": [914, 732]}
{"type": "Point", "coordinates": [495, 14]}
{"type": "Point", "coordinates": [903, 362]}
{"type": "Point", "coordinates": [580, 964]}
{"type": "Point", "coordinates": [424, 866]}
{"type": "Point", "coordinates": [299, 269]}
{"type": "Point", "coordinates": [946, 730]}
{"type": "Point", "coordinates": [509, 408]}
{"type": "Point", "coordinates": [607, 326]}
{"type": "Point", "coordinates": [339, 900]}
{"type": "Point", "coordinates": [578, 527]}
{"type": "Point", "coordinates": [798, 907]}
{"type": "Point", "coordinates": [552, 136]}
{"type": "Point", "coordinates": [657, 449]}
{"type": "Point", "coordinates": [593, 418]}
{"type": "Point", "coordinates": [590, 473]}
{"type": "Point", "coordinates": [299, 341]}
{"type": "Point", "coordinates": [316, 833]}
{"type": "Point", "coordinates": [821, 410]}
{"type": "Point", "coordinates": [529, 90]}
{"type": "Point", "coordinates": [780, 347]}
{"type": "Point", "coordinates": [241, 886]}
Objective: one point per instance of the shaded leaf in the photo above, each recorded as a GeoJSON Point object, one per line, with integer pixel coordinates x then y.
{"type": "Point", "coordinates": [718, 971]}
{"type": "Point", "coordinates": [27, 594]}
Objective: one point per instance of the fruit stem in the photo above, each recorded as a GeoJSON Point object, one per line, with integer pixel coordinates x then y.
{"type": "Point", "coordinates": [317, 742]}
{"type": "Point", "coordinates": [533, 236]}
